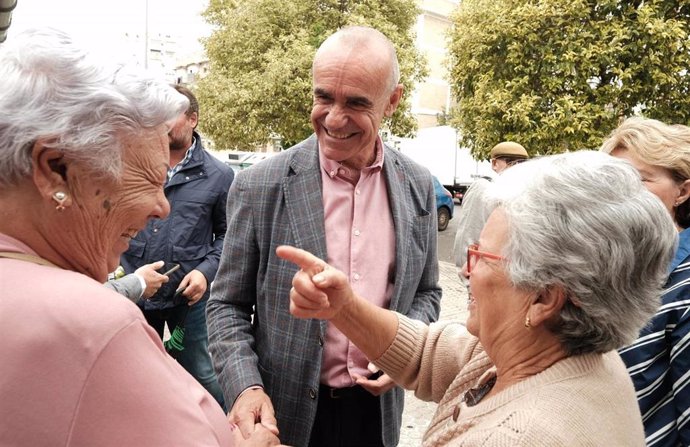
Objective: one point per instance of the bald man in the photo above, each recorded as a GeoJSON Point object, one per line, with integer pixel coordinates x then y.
{"type": "Point", "coordinates": [365, 208]}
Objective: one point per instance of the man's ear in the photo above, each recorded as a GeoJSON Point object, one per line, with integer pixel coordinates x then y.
{"type": "Point", "coordinates": [394, 100]}
{"type": "Point", "coordinates": [193, 119]}
{"type": "Point", "coordinates": [49, 171]}
{"type": "Point", "coordinates": [547, 305]}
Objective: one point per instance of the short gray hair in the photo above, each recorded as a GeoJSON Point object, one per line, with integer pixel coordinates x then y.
{"type": "Point", "coordinates": [55, 91]}
{"type": "Point", "coordinates": [584, 222]}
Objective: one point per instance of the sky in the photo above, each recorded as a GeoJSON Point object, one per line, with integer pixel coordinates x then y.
{"type": "Point", "coordinates": [102, 23]}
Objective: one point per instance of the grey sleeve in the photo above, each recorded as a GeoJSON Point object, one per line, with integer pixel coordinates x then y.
{"type": "Point", "coordinates": [128, 286]}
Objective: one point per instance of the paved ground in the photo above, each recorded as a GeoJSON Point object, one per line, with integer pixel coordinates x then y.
{"type": "Point", "coordinates": [417, 414]}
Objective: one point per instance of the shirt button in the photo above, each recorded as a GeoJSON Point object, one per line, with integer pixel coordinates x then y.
{"type": "Point", "coordinates": [312, 393]}
{"type": "Point", "coordinates": [332, 173]}
{"type": "Point", "coordinates": [357, 233]}
{"type": "Point", "coordinates": [358, 192]}
{"type": "Point", "coordinates": [320, 341]}
{"type": "Point", "coordinates": [186, 178]}
{"type": "Point", "coordinates": [356, 276]}
{"type": "Point", "coordinates": [456, 413]}
{"type": "Point", "coordinates": [155, 230]}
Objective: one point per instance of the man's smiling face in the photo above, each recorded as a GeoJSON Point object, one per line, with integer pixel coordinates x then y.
{"type": "Point", "coordinates": [352, 94]}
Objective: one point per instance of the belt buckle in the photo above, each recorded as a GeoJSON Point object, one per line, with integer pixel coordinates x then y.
{"type": "Point", "coordinates": [333, 393]}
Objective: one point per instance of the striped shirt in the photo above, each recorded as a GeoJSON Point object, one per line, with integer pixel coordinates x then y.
{"type": "Point", "coordinates": [659, 360]}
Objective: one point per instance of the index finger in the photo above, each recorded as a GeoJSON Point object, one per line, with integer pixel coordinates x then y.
{"type": "Point", "coordinates": [302, 258]}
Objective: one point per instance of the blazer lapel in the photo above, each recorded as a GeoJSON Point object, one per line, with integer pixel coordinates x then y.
{"type": "Point", "coordinates": [303, 198]}
{"type": "Point", "coordinates": [304, 204]}
{"type": "Point", "coordinates": [399, 199]}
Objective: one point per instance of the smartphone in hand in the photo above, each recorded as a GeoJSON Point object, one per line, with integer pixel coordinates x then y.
{"type": "Point", "coordinates": [174, 268]}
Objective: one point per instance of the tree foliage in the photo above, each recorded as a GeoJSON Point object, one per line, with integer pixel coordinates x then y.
{"type": "Point", "coordinates": [559, 75]}
{"type": "Point", "coordinates": [261, 54]}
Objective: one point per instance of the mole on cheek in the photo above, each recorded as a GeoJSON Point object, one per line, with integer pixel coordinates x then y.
{"type": "Point", "coordinates": [106, 204]}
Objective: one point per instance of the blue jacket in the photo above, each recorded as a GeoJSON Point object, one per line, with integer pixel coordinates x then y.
{"type": "Point", "coordinates": [192, 235]}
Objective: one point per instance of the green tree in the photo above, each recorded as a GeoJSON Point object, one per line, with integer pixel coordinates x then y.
{"type": "Point", "coordinates": [261, 53]}
{"type": "Point", "coordinates": [559, 75]}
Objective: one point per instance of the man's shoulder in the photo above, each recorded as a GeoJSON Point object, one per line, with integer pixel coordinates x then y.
{"type": "Point", "coordinates": [214, 164]}
{"type": "Point", "coordinates": [406, 163]}
{"type": "Point", "coordinates": [301, 156]}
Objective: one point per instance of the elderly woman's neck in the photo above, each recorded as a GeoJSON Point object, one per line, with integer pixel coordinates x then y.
{"type": "Point", "coordinates": [26, 217]}
{"type": "Point", "coordinates": [518, 360]}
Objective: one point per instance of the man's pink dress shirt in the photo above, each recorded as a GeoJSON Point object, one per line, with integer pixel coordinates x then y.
{"type": "Point", "coordinates": [360, 241]}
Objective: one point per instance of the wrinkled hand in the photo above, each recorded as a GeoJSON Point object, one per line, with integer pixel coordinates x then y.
{"type": "Point", "coordinates": [259, 437]}
{"type": "Point", "coordinates": [318, 290]}
{"type": "Point", "coordinates": [377, 386]}
{"type": "Point", "coordinates": [253, 408]}
{"type": "Point", "coordinates": [152, 278]}
{"type": "Point", "coordinates": [194, 285]}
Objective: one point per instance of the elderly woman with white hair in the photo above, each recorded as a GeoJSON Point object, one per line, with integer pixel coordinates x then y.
{"type": "Point", "coordinates": [659, 360]}
{"type": "Point", "coordinates": [83, 156]}
{"type": "Point", "coordinates": [568, 268]}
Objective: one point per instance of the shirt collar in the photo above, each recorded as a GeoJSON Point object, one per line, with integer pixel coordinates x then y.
{"type": "Point", "coordinates": [334, 168]}
{"type": "Point", "coordinates": [683, 249]}
{"type": "Point", "coordinates": [188, 156]}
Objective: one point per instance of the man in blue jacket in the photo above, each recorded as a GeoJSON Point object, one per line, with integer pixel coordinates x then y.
{"type": "Point", "coordinates": [191, 236]}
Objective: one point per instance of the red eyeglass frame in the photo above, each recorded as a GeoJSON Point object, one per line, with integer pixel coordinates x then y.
{"type": "Point", "coordinates": [472, 252]}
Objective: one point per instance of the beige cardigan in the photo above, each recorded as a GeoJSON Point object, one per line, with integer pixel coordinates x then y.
{"type": "Point", "coordinates": [585, 400]}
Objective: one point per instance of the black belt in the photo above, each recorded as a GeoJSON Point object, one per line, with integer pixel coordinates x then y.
{"type": "Point", "coordinates": [341, 393]}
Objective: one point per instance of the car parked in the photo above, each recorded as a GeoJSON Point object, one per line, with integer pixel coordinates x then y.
{"type": "Point", "coordinates": [444, 205]}
{"type": "Point", "coordinates": [239, 160]}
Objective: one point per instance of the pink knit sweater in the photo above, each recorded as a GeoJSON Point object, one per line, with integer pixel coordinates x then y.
{"type": "Point", "coordinates": [585, 400]}
{"type": "Point", "coordinates": [81, 367]}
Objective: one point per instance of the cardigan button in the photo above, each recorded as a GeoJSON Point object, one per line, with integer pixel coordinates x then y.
{"type": "Point", "coordinates": [312, 393]}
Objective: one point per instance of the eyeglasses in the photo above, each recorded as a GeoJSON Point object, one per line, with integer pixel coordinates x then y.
{"type": "Point", "coordinates": [473, 256]}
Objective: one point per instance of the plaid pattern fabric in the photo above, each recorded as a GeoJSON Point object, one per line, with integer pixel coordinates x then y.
{"type": "Point", "coordinates": [188, 156]}
{"type": "Point", "coordinates": [253, 339]}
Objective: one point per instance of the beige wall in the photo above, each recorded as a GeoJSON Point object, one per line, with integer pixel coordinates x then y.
{"type": "Point", "coordinates": [432, 96]}
{"type": "Point", "coordinates": [442, 7]}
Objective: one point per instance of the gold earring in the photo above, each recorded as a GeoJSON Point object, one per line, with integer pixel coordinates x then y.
{"type": "Point", "coordinates": [528, 323]}
{"type": "Point", "coordinates": [60, 198]}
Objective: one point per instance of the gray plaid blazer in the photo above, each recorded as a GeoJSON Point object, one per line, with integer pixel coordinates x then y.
{"type": "Point", "coordinates": [253, 338]}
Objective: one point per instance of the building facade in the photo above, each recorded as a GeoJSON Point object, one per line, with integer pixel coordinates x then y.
{"type": "Point", "coordinates": [432, 98]}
